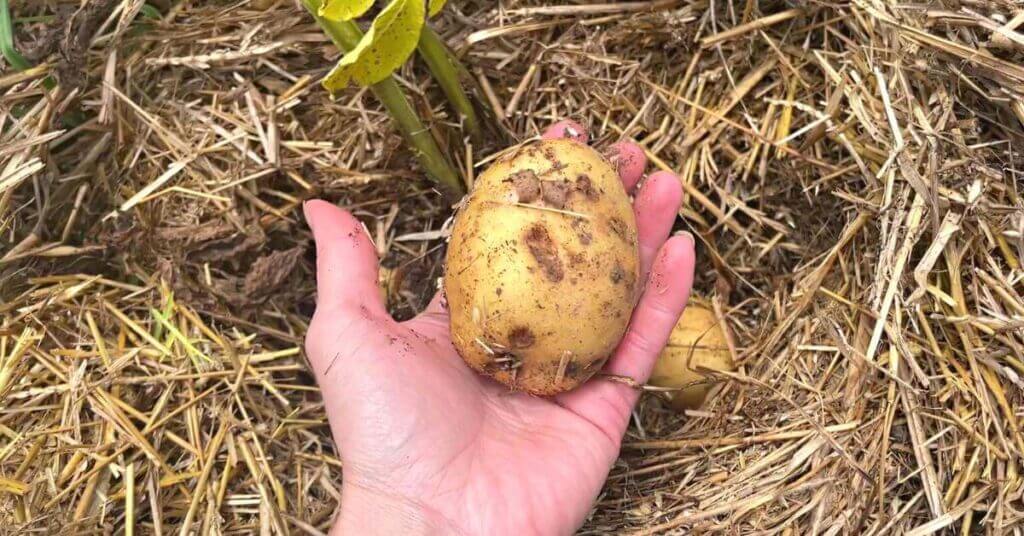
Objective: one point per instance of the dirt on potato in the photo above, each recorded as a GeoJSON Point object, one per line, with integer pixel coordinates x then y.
{"type": "Point", "coordinates": [556, 287]}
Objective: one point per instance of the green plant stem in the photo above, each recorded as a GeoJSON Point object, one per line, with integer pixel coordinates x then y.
{"type": "Point", "coordinates": [443, 66]}
{"type": "Point", "coordinates": [346, 36]}
{"type": "Point", "coordinates": [34, 18]}
{"type": "Point", "coordinates": [10, 53]}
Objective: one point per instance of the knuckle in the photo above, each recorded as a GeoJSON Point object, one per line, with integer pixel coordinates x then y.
{"type": "Point", "coordinates": [315, 335]}
{"type": "Point", "coordinates": [663, 308]}
{"type": "Point", "coordinates": [637, 343]}
{"type": "Point", "coordinates": [324, 332]}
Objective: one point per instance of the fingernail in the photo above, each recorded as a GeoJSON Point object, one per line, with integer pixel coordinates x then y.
{"type": "Point", "coordinates": [688, 236]}
{"type": "Point", "coordinates": [612, 153]}
{"type": "Point", "coordinates": [568, 129]}
{"type": "Point", "coordinates": [305, 213]}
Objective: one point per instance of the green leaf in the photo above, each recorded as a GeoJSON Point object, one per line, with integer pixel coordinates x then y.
{"type": "Point", "coordinates": [435, 6]}
{"type": "Point", "coordinates": [390, 41]}
{"type": "Point", "coordinates": [150, 12]}
{"type": "Point", "coordinates": [338, 10]}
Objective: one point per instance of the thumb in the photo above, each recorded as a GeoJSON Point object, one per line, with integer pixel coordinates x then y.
{"type": "Point", "coordinates": [346, 262]}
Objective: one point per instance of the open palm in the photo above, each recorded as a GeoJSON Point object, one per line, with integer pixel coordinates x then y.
{"type": "Point", "coordinates": [429, 446]}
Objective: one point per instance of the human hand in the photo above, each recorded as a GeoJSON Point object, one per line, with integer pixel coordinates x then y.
{"type": "Point", "coordinates": [428, 445]}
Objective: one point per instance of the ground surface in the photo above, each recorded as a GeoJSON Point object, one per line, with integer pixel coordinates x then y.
{"type": "Point", "coordinates": [852, 172]}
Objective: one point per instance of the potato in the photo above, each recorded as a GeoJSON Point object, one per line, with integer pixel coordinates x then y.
{"type": "Point", "coordinates": [542, 268]}
{"type": "Point", "coordinates": [696, 341]}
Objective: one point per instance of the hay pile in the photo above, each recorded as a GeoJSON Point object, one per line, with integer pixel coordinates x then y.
{"type": "Point", "coordinates": [852, 171]}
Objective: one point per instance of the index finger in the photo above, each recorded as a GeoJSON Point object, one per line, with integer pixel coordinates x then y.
{"type": "Point", "coordinates": [627, 157]}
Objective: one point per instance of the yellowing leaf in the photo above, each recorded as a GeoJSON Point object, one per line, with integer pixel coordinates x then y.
{"type": "Point", "coordinates": [390, 41]}
{"type": "Point", "coordinates": [435, 6]}
{"type": "Point", "coordinates": [339, 10]}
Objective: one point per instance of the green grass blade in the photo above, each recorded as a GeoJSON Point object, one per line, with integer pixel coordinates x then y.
{"type": "Point", "coordinates": [14, 59]}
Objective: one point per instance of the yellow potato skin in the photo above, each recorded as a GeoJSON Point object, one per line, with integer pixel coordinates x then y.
{"type": "Point", "coordinates": [542, 268]}
{"type": "Point", "coordinates": [696, 341]}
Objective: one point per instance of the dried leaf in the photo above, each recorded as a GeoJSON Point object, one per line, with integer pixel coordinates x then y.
{"type": "Point", "coordinates": [229, 247]}
{"type": "Point", "coordinates": [195, 234]}
{"type": "Point", "coordinates": [270, 271]}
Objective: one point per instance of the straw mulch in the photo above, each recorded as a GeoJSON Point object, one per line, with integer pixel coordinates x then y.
{"type": "Point", "coordinates": [852, 171]}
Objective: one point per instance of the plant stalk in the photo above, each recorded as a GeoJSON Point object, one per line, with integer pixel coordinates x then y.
{"type": "Point", "coordinates": [14, 59]}
{"type": "Point", "coordinates": [442, 66]}
{"type": "Point", "coordinates": [346, 36]}
{"type": "Point", "coordinates": [7, 48]}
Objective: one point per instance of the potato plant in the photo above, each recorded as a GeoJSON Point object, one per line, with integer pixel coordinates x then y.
{"type": "Point", "coordinates": [371, 58]}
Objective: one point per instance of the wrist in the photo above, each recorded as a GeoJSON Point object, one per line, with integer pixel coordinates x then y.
{"type": "Point", "coordinates": [369, 512]}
